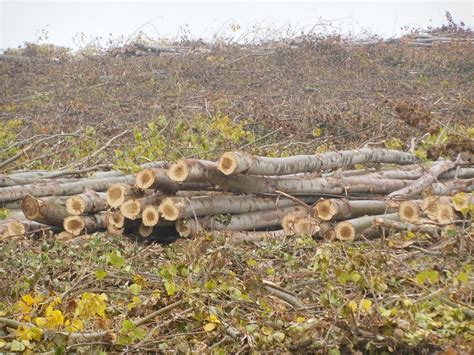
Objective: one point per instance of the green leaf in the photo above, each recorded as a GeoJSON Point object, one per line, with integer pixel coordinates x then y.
{"type": "Point", "coordinates": [463, 277]}
{"type": "Point", "coordinates": [116, 259]}
{"type": "Point", "coordinates": [100, 274]}
{"type": "Point", "coordinates": [135, 289]}
{"type": "Point", "coordinates": [251, 262]}
{"type": "Point", "coordinates": [427, 275]}
{"type": "Point", "coordinates": [171, 287]}
{"type": "Point", "coordinates": [17, 346]}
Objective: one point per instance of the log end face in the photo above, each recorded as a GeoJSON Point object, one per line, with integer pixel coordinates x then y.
{"type": "Point", "coordinates": [409, 212]}
{"type": "Point", "coordinates": [325, 210]}
{"type": "Point", "coordinates": [16, 228]}
{"type": "Point", "coordinates": [30, 207]}
{"type": "Point", "coordinates": [115, 195]}
{"type": "Point", "coordinates": [145, 179]}
{"type": "Point", "coordinates": [150, 216]}
{"type": "Point", "coordinates": [183, 227]}
{"type": "Point", "coordinates": [179, 171]}
{"type": "Point", "coordinates": [227, 163]}
{"type": "Point", "coordinates": [75, 206]}
{"type": "Point", "coordinates": [74, 225]}
{"type": "Point", "coordinates": [131, 209]}
{"type": "Point", "coordinates": [344, 231]}
{"type": "Point", "coordinates": [445, 214]}
{"type": "Point", "coordinates": [168, 210]}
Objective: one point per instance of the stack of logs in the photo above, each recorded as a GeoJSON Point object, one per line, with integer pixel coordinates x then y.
{"type": "Point", "coordinates": [246, 197]}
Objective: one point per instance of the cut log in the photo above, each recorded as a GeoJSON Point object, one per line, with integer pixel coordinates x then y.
{"type": "Point", "coordinates": [429, 205]}
{"type": "Point", "coordinates": [298, 223]}
{"type": "Point", "coordinates": [61, 189]}
{"type": "Point", "coordinates": [418, 172]}
{"type": "Point", "coordinates": [199, 171]}
{"type": "Point", "coordinates": [452, 186]}
{"type": "Point", "coordinates": [91, 223]}
{"type": "Point", "coordinates": [236, 237]}
{"type": "Point", "coordinates": [335, 209]}
{"type": "Point", "coordinates": [151, 216]}
{"type": "Point", "coordinates": [232, 163]}
{"type": "Point", "coordinates": [409, 211]}
{"type": "Point", "coordinates": [117, 194]}
{"type": "Point", "coordinates": [350, 229]}
{"type": "Point", "coordinates": [43, 212]}
{"type": "Point", "coordinates": [158, 179]}
{"type": "Point", "coordinates": [132, 209]}
{"type": "Point", "coordinates": [239, 222]}
{"type": "Point", "coordinates": [289, 221]}
{"type": "Point", "coordinates": [426, 180]}
{"type": "Point", "coordinates": [445, 214]}
{"type": "Point", "coordinates": [409, 227]}
{"type": "Point", "coordinates": [173, 208]}
{"type": "Point", "coordinates": [89, 202]}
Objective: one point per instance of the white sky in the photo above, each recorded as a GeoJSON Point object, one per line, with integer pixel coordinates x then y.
{"type": "Point", "coordinates": [23, 20]}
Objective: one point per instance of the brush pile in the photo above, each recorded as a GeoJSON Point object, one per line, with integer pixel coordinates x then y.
{"type": "Point", "coordinates": [246, 197]}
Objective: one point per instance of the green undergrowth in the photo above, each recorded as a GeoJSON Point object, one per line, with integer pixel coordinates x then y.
{"type": "Point", "coordinates": [385, 295]}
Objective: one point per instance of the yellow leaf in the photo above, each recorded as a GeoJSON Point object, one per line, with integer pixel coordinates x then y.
{"type": "Point", "coordinates": [300, 320]}
{"type": "Point", "coordinates": [139, 280]}
{"type": "Point", "coordinates": [352, 306]}
{"type": "Point", "coordinates": [29, 333]}
{"type": "Point", "coordinates": [209, 327]}
{"type": "Point", "coordinates": [40, 321]}
{"type": "Point", "coordinates": [28, 299]}
{"type": "Point", "coordinates": [2, 343]}
{"type": "Point", "coordinates": [365, 305]}
{"type": "Point", "coordinates": [76, 325]}
{"type": "Point", "coordinates": [214, 319]}
{"type": "Point", "coordinates": [135, 302]}
{"type": "Point", "coordinates": [54, 318]}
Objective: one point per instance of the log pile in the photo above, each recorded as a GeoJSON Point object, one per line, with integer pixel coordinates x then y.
{"type": "Point", "coordinates": [246, 197]}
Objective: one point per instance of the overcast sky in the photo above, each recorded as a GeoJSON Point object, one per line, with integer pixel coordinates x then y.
{"type": "Point", "coordinates": [63, 21]}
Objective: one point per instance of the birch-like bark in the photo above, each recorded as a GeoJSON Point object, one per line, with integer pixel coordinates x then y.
{"type": "Point", "coordinates": [173, 208]}
{"type": "Point", "coordinates": [338, 209]}
{"type": "Point", "coordinates": [426, 180]}
{"type": "Point", "coordinates": [239, 222]}
{"type": "Point", "coordinates": [61, 189]}
{"type": "Point", "coordinates": [232, 163]}
{"type": "Point", "coordinates": [199, 171]}
{"type": "Point", "coordinates": [350, 229]}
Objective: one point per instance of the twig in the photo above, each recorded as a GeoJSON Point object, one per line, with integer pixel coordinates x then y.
{"type": "Point", "coordinates": [298, 201]}
{"type": "Point", "coordinates": [284, 295]}
{"type": "Point", "coordinates": [165, 309]}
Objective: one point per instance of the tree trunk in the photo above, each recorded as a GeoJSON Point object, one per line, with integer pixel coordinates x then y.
{"type": "Point", "coordinates": [236, 237]}
{"type": "Point", "coordinates": [200, 171]}
{"type": "Point", "coordinates": [61, 189]}
{"type": "Point", "coordinates": [406, 226]}
{"type": "Point", "coordinates": [350, 229]}
{"type": "Point", "coordinates": [88, 202]}
{"type": "Point", "coordinates": [232, 163]}
{"type": "Point", "coordinates": [43, 212]}
{"type": "Point", "coordinates": [426, 180]}
{"type": "Point", "coordinates": [173, 208]}
{"type": "Point", "coordinates": [158, 179]}
{"type": "Point", "coordinates": [335, 209]}
{"type": "Point", "coordinates": [91, 223]}
{"type": "Point", "coordinates": [452, 186]}
{"type": "Point", "coordinates": [238, 222]}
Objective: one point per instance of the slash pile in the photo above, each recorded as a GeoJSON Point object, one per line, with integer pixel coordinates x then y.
{"type": "Point", "coordinates": [246, 197]}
